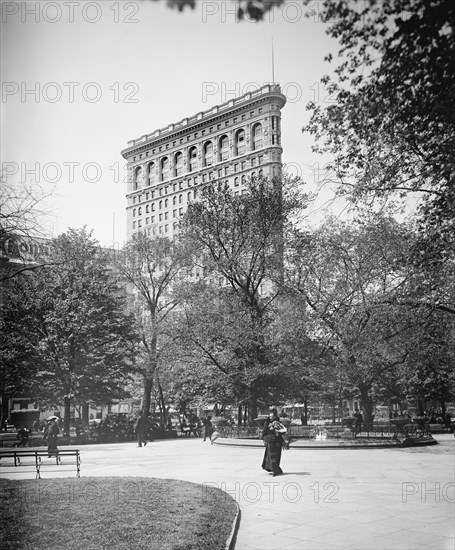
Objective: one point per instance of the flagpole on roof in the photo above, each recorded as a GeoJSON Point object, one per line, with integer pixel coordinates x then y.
{"type": "Point", "coordinates": [273, 65]}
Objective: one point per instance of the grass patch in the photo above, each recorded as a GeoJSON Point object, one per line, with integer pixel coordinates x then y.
{"type": "Point", "coordinates": [119, 513]}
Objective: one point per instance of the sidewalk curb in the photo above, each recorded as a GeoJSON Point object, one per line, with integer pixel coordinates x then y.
{"type": "Point", "coordinates": [230, 543]}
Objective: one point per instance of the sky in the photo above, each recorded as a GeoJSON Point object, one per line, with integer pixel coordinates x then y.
{"type": "Point", "coordinates": [82, 78]}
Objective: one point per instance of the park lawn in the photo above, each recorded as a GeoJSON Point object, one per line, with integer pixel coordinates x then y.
{"type": "Point", "coordinates": [115, 513]}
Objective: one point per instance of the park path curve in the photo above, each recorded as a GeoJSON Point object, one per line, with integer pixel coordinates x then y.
{"type": "Point", "coordinates": [384, 499]}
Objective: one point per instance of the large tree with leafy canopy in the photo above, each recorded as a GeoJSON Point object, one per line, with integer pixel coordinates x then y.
{"type": "Point", "coordinates": [66, 337]}
{"type": "Point", "coordinates": [240, 244]}
{"type": "Point", "coordinates": [429, 372]}
{"type": "Point", "coordinates": [352, 277]}
{"type": "Point", "coordinates": [151, 268]}
{"type": "Point", "coordinates": [391, 127]}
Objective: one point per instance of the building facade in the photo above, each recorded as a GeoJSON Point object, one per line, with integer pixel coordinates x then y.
{"type": "Point", "coordinates": [226, 144]}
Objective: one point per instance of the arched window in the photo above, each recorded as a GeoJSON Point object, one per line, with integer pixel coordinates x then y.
{"type": "Point", "coordinates": [223, 148]}
{"type": "Point", "coordinates": [151, 173]}
{"type": "Point", "coordinates": [174, 200]}
{"type": "Point", "coordinates": [134, 212]}
{"type": "Point", "coordinates": [180, 198]}
{"type": "Point", "coordinates": [208, 153]}
{"type": "Point", "coordinates": [164, 168]}
{"type": "Point", "coordinates": [166, 203]}
{"type": "Point", "coordinates": [236, 182]}
{"type": "Point", "coordinates": [192, 158]}
{"type": "Point", "coordinates": [257, 136]}
{"type": "Point", "coordinates": [253, 175]}
{"type": "Point", "coordinates": [147, 208]}
{"type": "Point", "coordinates": [261, 173]}
{"type": "Point", "coordinates": [239, 142]}
{"type": "Point", "coordinates": [178, 164]}
{"type": "Point", "coordinates": [137, 177]}
{"type": "Point", "coordinates": [139, 211]}
{"type": "Point", "coordinates": [189, 196]}
{"type": "Point", "coordinates": [160, 205]}
{"type": "Point", "coordinates": [243, 180]}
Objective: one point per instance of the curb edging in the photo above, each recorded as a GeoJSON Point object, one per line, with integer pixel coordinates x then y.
{"type": "Point", "coordinates": [230, 543]}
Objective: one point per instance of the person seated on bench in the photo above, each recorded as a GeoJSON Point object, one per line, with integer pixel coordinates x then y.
{"type": "Point", "coordinates": [23, 436]}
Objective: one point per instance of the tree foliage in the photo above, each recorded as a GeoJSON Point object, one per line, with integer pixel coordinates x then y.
{"type": "Point", "coordinates": [21, 222]}
{"type": "Point", "coordinates": [350, 277]}
{"type": "Point", "coordinates": [66, 337]}
{"type": "Point", "coordinates": [391, 128]}
{"type": "Point", "coordinates": [151, 268]}
{"type": "Point", "coordinates": [246, 9]}
{"type": "Point", "coordinates": [239, 239]}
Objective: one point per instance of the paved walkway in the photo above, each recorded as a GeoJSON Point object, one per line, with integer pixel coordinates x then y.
{"type": "Point", "coordinates": [328, 499]}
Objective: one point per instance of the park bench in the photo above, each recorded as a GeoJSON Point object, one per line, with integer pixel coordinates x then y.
{"type": "Point", "coordinates": [18, 454]}
{"type": "Point", "coordinates": [307, 432]}
{"type": "Point", "coordinates": [438, 428]}
{"type": "Point", "coordinates": [8, 437]}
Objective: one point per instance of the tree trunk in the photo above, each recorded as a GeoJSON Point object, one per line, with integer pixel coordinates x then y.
{"type": "Point", "coordinates": [239, 416]}
{"type": "Point", "coordinates": [305, 412]}
{"type": "Point", "coordinates": [252, 405]}
{"type": "Point", "coordinates": [146, 399]}
{"type": "Point", "coordinates": [443, 408]}
{"type": "Point", "coordinates": [85, 413]}
{"type": "Point", "coordinates": [365, 400]}
{"type": "Point", "coordinates": [66, 415]}
{"type": "Point", "coordinates": [162, 406]}
{"type": "Point", "coordinates": [420, 407]}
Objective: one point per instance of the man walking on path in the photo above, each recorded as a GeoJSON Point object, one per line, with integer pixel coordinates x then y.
{"type": "Point", "coordinates": [358, 421]}
{"type": "Point", "coordinates": [142, 429]}
{"type": "Point", "coordinates": [208, 426]}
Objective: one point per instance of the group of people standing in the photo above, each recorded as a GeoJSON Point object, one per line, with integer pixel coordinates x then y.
{"type": "Point", "coordinates": [189, 426]}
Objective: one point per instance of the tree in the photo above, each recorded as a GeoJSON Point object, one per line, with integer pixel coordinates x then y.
{"type": "Point", "coordinates": [65, 328]}
{"type": "Point", "coordinates": [240, 243]}
{"type": "Point", "coordinates": [252, 9]}
{"type": "Point", "coordinates": [350, 276]}
{"type": "Point", "coordinates": [391, 127]}
{"type": "Point", "coordinates": [151, 266]}
{"type": "Point", "coordinates": [21, 229]}
{"type": "Point", "coordinates": [429, 372]}
{"type": "Point", "coordinates": [311, 372]}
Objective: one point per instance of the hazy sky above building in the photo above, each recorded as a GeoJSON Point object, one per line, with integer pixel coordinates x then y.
{"type": "Point", "coordinates": [80, 79]}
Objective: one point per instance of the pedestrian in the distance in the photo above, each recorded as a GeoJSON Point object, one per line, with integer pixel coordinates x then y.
{"type": "Point", "coordinates": [208, 427]}
{"type": "Point", "coordinates": [52, 432]}
{"type": "Point", "coordinates": [358, 421]}
{"type": "Point", "coordinates": [142, 428]}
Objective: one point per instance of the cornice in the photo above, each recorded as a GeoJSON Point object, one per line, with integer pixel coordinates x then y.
{"type": "Point", "coordinates": [205, 118]}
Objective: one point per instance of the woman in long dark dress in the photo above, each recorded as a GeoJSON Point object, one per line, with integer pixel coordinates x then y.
{"type": "Point", "coordinates": [51, 434]}
{"type": "Point", "coordinates": [273, 441]}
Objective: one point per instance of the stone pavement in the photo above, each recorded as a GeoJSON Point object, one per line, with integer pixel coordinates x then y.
{"type": "Point", "coordinates": [326, 499]}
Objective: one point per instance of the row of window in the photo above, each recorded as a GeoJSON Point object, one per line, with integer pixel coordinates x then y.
{"type": "Point", "coordinates": [165, 203]}
{"type": "Point", "coordinates": [160, 170]}
{"type": "Point", "coordinates": [238, 166]}
{"type": "Point", "coordinates": [178, 199]}
{"type": "Point", "coordinates": [163, 216]}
